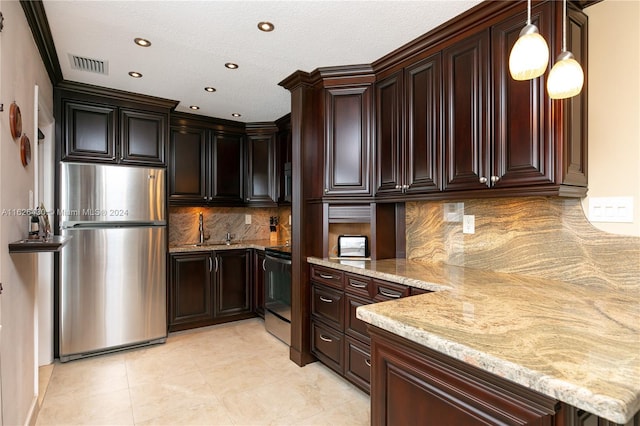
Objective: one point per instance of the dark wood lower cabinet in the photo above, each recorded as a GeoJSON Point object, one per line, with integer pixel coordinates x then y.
{"type": "Point", "coordinates": [412, 384]}
{"type": "Point", "coordinates": [190, 302]}
{"type": "Point", "coordinates": [233, 295]}
{"type": "Point", "coordinates": [208, 288]}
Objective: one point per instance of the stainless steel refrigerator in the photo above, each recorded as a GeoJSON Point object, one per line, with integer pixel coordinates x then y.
{"type": "Point", "coordinates": [112, 287]}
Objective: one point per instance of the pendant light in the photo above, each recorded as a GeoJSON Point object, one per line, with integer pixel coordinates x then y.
{"type": "Point", "coordinates": [566, 77]}
{"type": "Point", "coordinates": [530, 54]}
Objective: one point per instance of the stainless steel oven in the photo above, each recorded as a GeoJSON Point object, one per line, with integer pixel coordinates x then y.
{"type": "Point", "coordinates": [277, 292]}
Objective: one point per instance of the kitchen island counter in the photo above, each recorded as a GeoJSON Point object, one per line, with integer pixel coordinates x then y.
{"type": "Point", "coordinates": [578, 344]}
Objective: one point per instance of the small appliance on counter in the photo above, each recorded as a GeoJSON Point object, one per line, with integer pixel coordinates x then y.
{"type": "Point", "coordinates": [353, 246]}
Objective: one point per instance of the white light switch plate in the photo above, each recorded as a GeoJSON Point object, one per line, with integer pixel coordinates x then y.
{"type": "Point", "coordinates": [611, 209]}
{"type": "Point", "coordinates": [247, 219]}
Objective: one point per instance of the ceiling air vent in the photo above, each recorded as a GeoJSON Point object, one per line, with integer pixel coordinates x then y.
{"type": "Point", "coordinates": [90, 65]}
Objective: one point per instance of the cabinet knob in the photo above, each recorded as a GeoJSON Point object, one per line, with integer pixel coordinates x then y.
{"type": "Point", "coordinates": [248, 199]}
{"type": "Point", "coordinates": [326, 191]}
{"type": "Point", "coordinates": [405, 186]}
{"type": "Point", "coordinates": [206, 198]}
{"type": "Point", "coordinates": [483, 179]}
{"type": "Point", "coordinates": [494, 179]}
{"type": "Point", "coordinates": [398, 186]}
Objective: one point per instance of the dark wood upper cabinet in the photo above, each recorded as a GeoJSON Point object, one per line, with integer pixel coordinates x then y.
{"type": "Point", "coordinates": [143, 137]}
{"type": "Point", "coordinates": [408, 131]}
{"type": "Point", "coordinates": [347, 141]}
{"type": "Point", "coordinates": [466, 134]}
{"type": "Point", "coordinates": [89, 132]}
{"type": "Point", "coordinates": [99, 125]}
{"type": "Point", "coordinates": [205, 167]}
{"type": "Point", "coordinates": [523, 129]}
{"type": "Point", "coordinates": [389, 117]}
{"type": "Point", "coordinates": [187, 165]}
{"type": "Point", "coordinates": [261, 174]}
{"type": "Point", "coordinates": [227, 168]}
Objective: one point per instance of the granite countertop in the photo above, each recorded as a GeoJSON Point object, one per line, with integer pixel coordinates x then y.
{"type": "Point", "coordinates": [213, 246]}
{"type": "Point", "coordinates": [576, 343]}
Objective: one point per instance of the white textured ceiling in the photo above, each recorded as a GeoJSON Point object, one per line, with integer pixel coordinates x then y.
{"type": "Point", "coordinates": [192, 40]}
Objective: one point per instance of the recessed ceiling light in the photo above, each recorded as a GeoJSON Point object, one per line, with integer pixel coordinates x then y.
{"type": "Point", "coordinates": [142, 42]}
{"type": "Point", "coordinates": [231, 65]}
{"type": "Point", "coordinates": [135, 74]}
{"type": "Point", "coordinates": [265, 26]}
{"type": "Point", "coordinates": [235, 114]}
{"type": "Point", "coordinates": [194, 107]}
{"type": "Point", "coordinates": [210, 89]}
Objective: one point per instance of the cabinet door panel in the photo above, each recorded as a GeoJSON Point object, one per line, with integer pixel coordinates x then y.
{"type": "Point", "coordinates": [89, 132]}
{"type": "Point", "coordinates": [522, 111]}
{"type": "Point", "coordinates": [466, 73]}
{"type": "Point", "coordinates": [227, 169]}
{"type": "Point", "coordinates": [389, 133]}
{"type": "Point", "coordinates": [190, 290]}
{"type": "Point", "coordinates": [142, 137]}
{"type": "Point", "coordinates": [424, 113]}
{"type": "Point", "coordinates": [233, 292]}
{"type": "Point", "coordinates": [347, 169]}
{"type": "Point", "coordinates": [261, 175]}
{"type": "Point", "coordinates": [187, 165]}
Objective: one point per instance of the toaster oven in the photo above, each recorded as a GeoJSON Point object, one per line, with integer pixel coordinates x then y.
{"type": "Point", "coordinates": [353, 246]}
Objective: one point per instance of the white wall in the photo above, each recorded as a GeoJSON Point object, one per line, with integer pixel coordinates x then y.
{"type": "Point", "coordinates": [614, 106]}
{"type": "Point", "coordinates": [21, 70]}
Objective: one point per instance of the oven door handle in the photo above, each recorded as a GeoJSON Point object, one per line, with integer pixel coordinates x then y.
{"type": "Point", "coordinates": [277, 260]}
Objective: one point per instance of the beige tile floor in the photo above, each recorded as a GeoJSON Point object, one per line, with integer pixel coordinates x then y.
{"type": "Point", "coordinates": [231, 374]}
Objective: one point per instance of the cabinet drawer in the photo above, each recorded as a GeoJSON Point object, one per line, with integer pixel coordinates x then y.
{"type": "Point", "coordinates": [327, 306]}
{"type": "Point", "coordinates": [327, 276]}
{"type": "Point", "coordinates": [328, 345]}
{"type": "Point", "coordinates": [357, 365]}
{"type": "Point", "coordinates": [383, 290]}
{"type": "Point", "coordinates": [358, 284]}
{"type": "Point", "coordinates": [353, 326]}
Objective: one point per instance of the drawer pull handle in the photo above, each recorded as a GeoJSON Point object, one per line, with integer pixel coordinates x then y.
{"type": "Point", "coordinates": [389, 294]}
{"type": "Point", "coordinates": [326, 339]}
{"type": "Point", "coordinates": [357, 284]}
{"type": "Point", "coordinates": [324, 299]}
{"type": "Point", "coordinates": [326, 277]}
{"type": "Point", "coordinates": [368, 362]}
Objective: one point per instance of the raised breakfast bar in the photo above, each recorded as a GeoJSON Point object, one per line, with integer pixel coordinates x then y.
{"type": "Point", "coordinates": [576, 344]}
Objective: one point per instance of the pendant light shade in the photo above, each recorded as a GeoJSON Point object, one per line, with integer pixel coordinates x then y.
{"type": "Point", "coordinates": [566, 77]}
{"type": "Point", "coordinates": [530, 54]}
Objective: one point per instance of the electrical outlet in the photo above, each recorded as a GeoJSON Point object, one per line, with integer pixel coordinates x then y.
{"type": "Point", "coordinates": [247, 219]}
{"type": "Point", "coordinates": [289, 219]}
{"type": "Point", "coordinates": [468, 224]}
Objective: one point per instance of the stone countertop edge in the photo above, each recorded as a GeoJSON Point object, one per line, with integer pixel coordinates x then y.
{"type": "Point", "coordinates": [257, 244]}
{"type": "Point", "coordinates": [610, 408]}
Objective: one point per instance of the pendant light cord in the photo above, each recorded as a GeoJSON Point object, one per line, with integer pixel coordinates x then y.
{"type": "Point", "coordinates": [528, 12]}
{"type": "Point", "coordinates": [564, 27]}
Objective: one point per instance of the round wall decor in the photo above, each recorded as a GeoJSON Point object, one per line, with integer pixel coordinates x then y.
{"type": "Point", "coordinates": [15, 120]}
{"type": "Point", "coordinates": [25, 150]}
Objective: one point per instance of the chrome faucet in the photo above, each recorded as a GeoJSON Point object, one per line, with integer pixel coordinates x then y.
{"type": "Point", "coordinates": [227, 239]}
{"type": "Point", "coordinates": [201, 228]}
